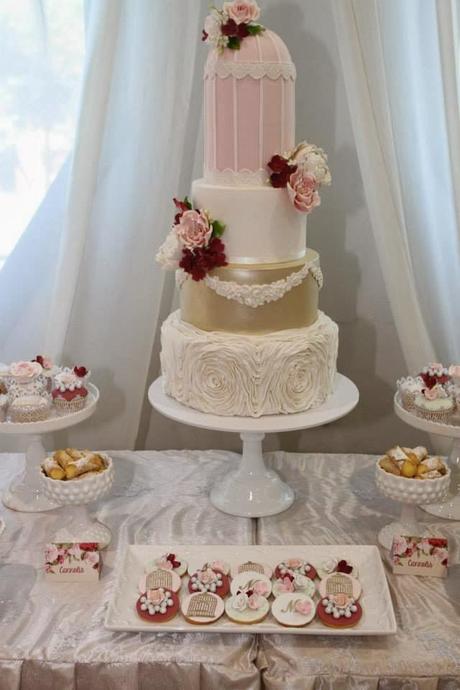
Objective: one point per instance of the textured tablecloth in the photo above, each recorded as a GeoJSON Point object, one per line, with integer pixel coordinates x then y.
{"type": "Point", "coordinates": [52, 636]}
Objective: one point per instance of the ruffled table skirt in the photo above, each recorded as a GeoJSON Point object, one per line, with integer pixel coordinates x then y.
{"type": "Point", "coordinates": [52, 635]}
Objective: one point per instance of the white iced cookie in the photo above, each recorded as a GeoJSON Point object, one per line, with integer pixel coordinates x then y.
{"type": "Point", "coordinates": [300, 583]}
{"type": "Point", "coordinates": [253, 567]}
{"type": "Point", "coordinates": [251, 583]}
{"type": "Point", "coordinates": [242, 608]}
{"type": "Point", "coordinates": [218, 566]}
{"type": "Point", "coordinates": [202, 608]}
{"type": "Point", "coordinates": [169, 561]}
{"type": "Point", "coordinates": [159, 578]}
{"type": "Point", "coordinates": [339, 588]}
{"type": "Point", "coordinates": [293, 610]}
{"type": "Point", "coordinates": [332, 565]}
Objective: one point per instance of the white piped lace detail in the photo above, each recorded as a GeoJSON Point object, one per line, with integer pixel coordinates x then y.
{"type": "Point", "coordinates": [256, 295]}
{"type": "Point", "coordinates": [256, 70]}
{"type": "Point", "coordinates": [238, 178]}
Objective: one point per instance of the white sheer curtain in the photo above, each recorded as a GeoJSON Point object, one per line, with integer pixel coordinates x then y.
{"type": "Point", "coordinates": [82, 284]}
{"type": "Point", "coordinates": [400, 64]}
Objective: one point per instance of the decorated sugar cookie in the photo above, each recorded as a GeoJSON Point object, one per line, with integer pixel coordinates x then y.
{"type": "Point", "coordinates": [252, 567]}
{"type": "Point", "coordinates": [247, 607]}
{"type": "Point", "coordinates": [339, 616]}
{"type": "Point", "coordinates": [339, 607]}
{"type": "Point", "coordinates": [202, 608]}
{"type": "Point", "coordinates": [167, 579]}
{"type": "Point", "coordinates": [157, 605]}
{"type": "Point", "coordinates": [295, 566]}
{"type": "Point", "coordinates": [218, 566]}
{"type": "Point", "coordinates": [336, 565]}
{"type": "Point", "coordinates": [294, 583]}
{"type": "Point", "coordinates": [294, 610]}
{"type": "Point", "coordinates": [209, 580]}
{"type": "Point", "coordinates": [251, 583]}
{"type": "Point", "coordinates": [339, 588]}
{"type": "Point", "coordinates": [169, 561]}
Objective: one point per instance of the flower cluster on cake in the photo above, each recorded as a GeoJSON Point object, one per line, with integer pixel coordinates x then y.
{"type": "Point", "coordinates": [249, 338]}
{"type": "Point", "coordinates": [433, 394]}
{"type": "Point", "coordinates": [32, 390]}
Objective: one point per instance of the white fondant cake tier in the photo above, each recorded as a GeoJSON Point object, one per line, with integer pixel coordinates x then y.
{"type": "Point", "coordinates": [262, 226]}
{"type": "Point", "coordinates": [249, 375]}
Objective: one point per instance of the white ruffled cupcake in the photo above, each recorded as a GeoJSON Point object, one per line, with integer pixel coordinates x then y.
{"type": "Point", "coordinates": [29, 408]}
{"type": "Point", "coordinates": [435, 404]}
{"type": "Point", "coordinates": [3, 406]}
{"type": "Point", "coordinates": [409, 388]}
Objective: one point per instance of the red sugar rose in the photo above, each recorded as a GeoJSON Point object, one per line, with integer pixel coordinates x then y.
{"type": "Point", "coordinates": [281, 171]}
{"type": "Point", "coordinates": [234, 30]}
{"type": "Point", "coordinates": [198, 262]}
{"type": "Point", "coordinates": [80, 372]}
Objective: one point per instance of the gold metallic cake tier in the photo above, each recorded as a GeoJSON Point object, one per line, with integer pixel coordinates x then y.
{"type": "Point", "coordinates": [204, 308]}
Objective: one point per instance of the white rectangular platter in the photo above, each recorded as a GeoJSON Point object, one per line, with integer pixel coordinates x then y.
{"type": "Point", "coordinates": [378, 614]}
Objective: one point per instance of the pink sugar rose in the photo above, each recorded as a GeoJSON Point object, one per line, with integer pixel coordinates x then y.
{"type": "Point", "coordinates": [92, 557]}
{"type": "Point", "coordinates": [287, 585]}
{"type": "Point", "coordinates": [220, 565]}
{"type": "Point", "coordinates": [51, 553]}
{"type": "Point", "coordinates": [454, 371]}
{"type": "Point", "coordinates": [261, 588]}
{"type": "Point", "coordinates": [255, 602]}
{"type": "Point", "coordinates": [156, 596]}
{"type": "Point", "coordinates": [303, 607]}
{"type": "Point", "coordinates": [400, 546]}
{"type": "Point", "coordinates": [294, 563]}
{"type": "Point", "coordinates": [242, 12]}
{"type": "Point", "coordinates": [165, 565]}
{"type": "Point", "coordinates": [432, 393]}
{"type": "Point", "coordinates": [194, 229]}
{"type": "Point", "coordinates": [25, 371]}
{"type": "Point", "coordinates": [303, 191]}
{"type": "Point", "coordinates": [207, 576]}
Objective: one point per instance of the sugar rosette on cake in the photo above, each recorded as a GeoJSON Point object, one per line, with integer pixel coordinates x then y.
{"type": "Point", "coordinates": [304, 376]}
{"type": "Point", "coordinates": [219, 380]}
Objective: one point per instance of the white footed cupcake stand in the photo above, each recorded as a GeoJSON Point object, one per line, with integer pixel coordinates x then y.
{"type": "Point", "coordinates": [25, 492]}
{"type": "Point", "coordinates": [450, 509]}
{"type": "Point", "coordinates": [252, 490]}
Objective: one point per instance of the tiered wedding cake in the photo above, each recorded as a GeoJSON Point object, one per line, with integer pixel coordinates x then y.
{"type": "Point", "coordinates": [248, 339]}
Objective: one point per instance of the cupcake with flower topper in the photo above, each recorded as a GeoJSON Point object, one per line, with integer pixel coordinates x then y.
{"type": "Point", "coordinates": [25, 378]}
{"type": "Point", "coordinates": [70, 393]}
{"type": "Point", "coordinates": [435, 402]}
{"type": "Point", "coordinates": [49, 370]}
{"type": "Point", "coordinates": [454, 385]}
{"type": "Point", "coordinates": [408, 388]}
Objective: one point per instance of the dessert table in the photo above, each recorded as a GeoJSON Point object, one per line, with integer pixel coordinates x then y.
{"type": "Point", "coordinates": [52, 635]}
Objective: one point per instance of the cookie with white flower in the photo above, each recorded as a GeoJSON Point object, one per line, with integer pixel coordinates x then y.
{"type": "Point", "coordinates": [339, 607]}
{"type": "Point", "coordinates": [290, 583]}
{"type": "Point", "coordinates": [160, 578]}
{"type": "Point", "coordinates": [295, 566]}
{"type": "Point", "coordinates": [169, 561]}
{"type": "Point", "coordinates": [202, 608]}
{"type": "Point", "coordinates": [252, 567]}
{"type": "Point", "coordinates": [251, 583]}
{"type": "Point", "coordinates": [336, 565]}
{"type": "Point", "coordinates": [247, 607]}
{"type": "Point", "coordinates": [157, 605]}
{"type": "Point", "coordinates": [293, 609]}
{"type": "Point", "coordinates": [209, 580]}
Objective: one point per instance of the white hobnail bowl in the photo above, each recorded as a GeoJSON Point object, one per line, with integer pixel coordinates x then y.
{"type": "Point", "coordinates": [81, 491]}
{"type": "Point", "coordinates": [415, 491]}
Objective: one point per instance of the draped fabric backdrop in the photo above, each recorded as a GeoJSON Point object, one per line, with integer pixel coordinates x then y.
{"type": "Point", "coordinates": [82, 283]}
{"type": "Point", "coordinates": [400, 64]}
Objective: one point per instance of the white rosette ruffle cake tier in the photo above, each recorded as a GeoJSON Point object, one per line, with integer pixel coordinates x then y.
{"type": "Point", "coordinates": [230, 374]}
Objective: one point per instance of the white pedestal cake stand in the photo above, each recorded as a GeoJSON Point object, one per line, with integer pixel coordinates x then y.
{"type": "Point", "coordinates": [252, 490]}
{"type": "Point", "coordinates": [25, 493]}
{"type": "Point", "coordinates": [450, 509]}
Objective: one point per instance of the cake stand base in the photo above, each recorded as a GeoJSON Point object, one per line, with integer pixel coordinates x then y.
{"type": "Point", "coordinates": [81, 528]}
{"type": "Point", "coordinates": [25, 491]}
{"type": "Point", "coordinates": [252, 490]}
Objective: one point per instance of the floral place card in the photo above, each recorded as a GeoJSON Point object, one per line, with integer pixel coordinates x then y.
{"type": "Point", "coordinates": [72, 562]}
{"type": "Point", "coordinates": [426, 556]}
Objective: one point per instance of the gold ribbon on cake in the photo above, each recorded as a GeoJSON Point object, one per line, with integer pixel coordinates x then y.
{"type": "Point", "coordinates": [256, 298]}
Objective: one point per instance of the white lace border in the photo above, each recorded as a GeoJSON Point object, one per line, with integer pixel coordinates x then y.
{"type": "Point", "coordinates": [256, 70]}
{"type": "Point", "coordinates": [256, 295]}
